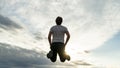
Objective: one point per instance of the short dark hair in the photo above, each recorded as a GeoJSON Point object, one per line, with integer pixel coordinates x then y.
{"type": "Point", "coordinates": [59, 20]}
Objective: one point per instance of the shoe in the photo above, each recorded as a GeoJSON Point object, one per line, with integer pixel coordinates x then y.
{"type": "Point", "coordinates": [68, 57]}
{"type": "Point", "coordinates": [50, 54]}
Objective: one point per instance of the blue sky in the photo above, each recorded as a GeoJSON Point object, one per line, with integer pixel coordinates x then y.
{"type": "Point", "coordinates": [111, 45]}
{"type": "Point", "coordinates": [110, 48]}
{"type": "Point", "coordinates": [93, 24]}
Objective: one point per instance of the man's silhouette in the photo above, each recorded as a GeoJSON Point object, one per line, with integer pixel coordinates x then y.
{"type": "Point", "coordinates": [56, 40]}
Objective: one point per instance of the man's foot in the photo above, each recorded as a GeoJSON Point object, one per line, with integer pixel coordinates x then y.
{"type": "Point", "coordinates": [50, 54]}
{"type": "Point", "coordinates": [68, 57]}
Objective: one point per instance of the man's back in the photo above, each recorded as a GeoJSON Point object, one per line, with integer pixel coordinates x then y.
{"type": "Point", "coordinates": [58, 33]}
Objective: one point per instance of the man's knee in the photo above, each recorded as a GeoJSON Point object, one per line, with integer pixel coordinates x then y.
{"type": "Point", "coordinates": [62, 60]}
{"type": "Point", "coordinates": [53, 60]}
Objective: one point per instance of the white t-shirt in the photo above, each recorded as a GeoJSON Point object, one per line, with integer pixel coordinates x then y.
{"type": "Point", "coordinates": [58, 32]}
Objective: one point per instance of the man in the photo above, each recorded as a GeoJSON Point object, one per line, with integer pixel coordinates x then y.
{"type": "Point", "coordinates": [56, 40]}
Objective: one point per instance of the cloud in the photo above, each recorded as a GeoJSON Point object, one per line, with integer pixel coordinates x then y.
{"type": "Point", "coordinates": [94, 6]}
{"type": "Point", "coordinates": [82, 63]}
{"type": "Point", "coordinates": [91, 23]}
{"type": "Point", "coordinates": [7, 24]}
{"type": "Point", "coordinates": [16, 57]}
{"type": "Point", "coordinates": [12, 56]}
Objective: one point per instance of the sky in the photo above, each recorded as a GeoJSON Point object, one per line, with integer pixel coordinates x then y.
{"type": "Point", "coordinates": [93, 24]}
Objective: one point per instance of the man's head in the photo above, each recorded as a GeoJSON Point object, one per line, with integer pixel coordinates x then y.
{"type": "Point", "coordinates": [59, 20]}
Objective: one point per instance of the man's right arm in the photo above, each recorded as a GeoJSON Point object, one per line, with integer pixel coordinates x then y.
{"type": "Point", "coordinates": [49, 38]}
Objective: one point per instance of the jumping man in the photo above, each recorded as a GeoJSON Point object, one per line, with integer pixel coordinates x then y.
{"type": "Point", "coordinates": [57, 42]}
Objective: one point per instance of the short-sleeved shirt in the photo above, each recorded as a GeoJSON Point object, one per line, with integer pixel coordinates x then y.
{"type": "Point", "coordinates": [58, 32]}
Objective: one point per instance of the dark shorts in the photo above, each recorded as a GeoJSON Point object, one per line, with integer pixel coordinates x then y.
{"type": "Point", "coordinates": [58, 48]}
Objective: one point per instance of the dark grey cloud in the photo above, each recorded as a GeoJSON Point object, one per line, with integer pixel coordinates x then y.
{"type": "Point", "coordinates": [8, 24]}
{"type": "Point", "coordinates": [16, 57]}
{"type": "Point", "coordinates": [13, 56]}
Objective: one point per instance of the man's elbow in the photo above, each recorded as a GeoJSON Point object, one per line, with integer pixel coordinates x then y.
{"type": "Point", "coordinates": [68, 36]}
{"type": "Point", "coordinates": [49, 37]}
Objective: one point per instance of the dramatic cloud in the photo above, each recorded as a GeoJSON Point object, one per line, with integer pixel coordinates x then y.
{"type": "Point", "coordinates": [8, 24]}
{"type": "Point", "coordinates": [12, 56]}
{"type": "Point", "coordinates": [16, 57]}
{"type": "Point", "coordinates": [91, 23]}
